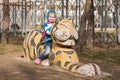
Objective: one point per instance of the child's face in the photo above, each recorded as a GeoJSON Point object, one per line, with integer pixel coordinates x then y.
{"type": "Point", "coordinates": [51, 17]}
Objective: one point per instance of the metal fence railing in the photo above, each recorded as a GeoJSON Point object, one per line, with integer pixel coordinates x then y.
{"type": "Point", "coordinates": [28, 14]}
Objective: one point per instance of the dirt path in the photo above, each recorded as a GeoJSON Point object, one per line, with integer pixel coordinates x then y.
{"type": "Point", "coordinates": [14, 67]}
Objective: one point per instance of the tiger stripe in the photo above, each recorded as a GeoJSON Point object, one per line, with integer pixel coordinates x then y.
{"type": "Point", "coordinates": [58, 52]}
{"type": "Point", "coordinates": [59, 63]}
{"type": "Point", "coordinates": [66, 63]}
{"type": "Point", "coordinates": [31, 50]}
{"type": "Point", "coordinates": [32, 40]}
{"type": "Point", "coordinates": [40, 45]}
{"type": "Point", "coordinates": [95, 69]}
{"type": "Point", "coordinates": [71, 66]}
{"type": "Point", "coordinates": [52, 57]}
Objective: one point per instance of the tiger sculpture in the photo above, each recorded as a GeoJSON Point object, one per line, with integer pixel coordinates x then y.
{"type": "Point", "coordinates": [62, 53]}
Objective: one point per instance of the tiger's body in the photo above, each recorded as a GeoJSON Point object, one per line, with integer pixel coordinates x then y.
{"type": "Point", "coordinates": [33, 44]}
{"type": "Point", "coordinates": [62, 54]}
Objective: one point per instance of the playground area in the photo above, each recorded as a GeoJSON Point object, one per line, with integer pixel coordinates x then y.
{"type": "Point", "coordinates": [15, 67]}
{"type": "Point", "coordinates": [28, 14]}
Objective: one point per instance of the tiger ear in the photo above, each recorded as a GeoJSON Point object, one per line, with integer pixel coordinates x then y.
{"type": "Point", "coordinates": [59, 19]}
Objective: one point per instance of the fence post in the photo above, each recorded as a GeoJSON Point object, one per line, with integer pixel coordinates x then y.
{"type": "Point", "coordinates": [24, 32]}
{"type": "Point", "coordinates": [76, 12]}
{"type": "Point", "coordinates": [14, 17]}
{"type": "Point", "coordinates": [67, 8]}
{"type": "Point", "coordinates": [62, 8]}
{"type": "Point", "coordinates": [103, 27]}
{"type": "Point", "coordinates": [79, 12]}
{"type": "Point", "coordinates": [118, 21]}
{"type": "Point", "coordinates": [34, 13]}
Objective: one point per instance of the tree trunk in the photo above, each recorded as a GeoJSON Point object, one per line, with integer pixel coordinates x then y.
{"type": "Point", "coordinates": [6, 21]}
{"type": "Point", "coordinates": [90, 29]}
{"type": "Point", "coordinates": [83, 32]}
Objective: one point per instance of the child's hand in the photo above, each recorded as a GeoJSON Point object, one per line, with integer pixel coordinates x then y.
{"type": "Point", "coordinates": [44, 34]}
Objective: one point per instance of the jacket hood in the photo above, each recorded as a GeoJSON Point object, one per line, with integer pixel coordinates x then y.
{"type": "Point", "coordinates": [50, 11]}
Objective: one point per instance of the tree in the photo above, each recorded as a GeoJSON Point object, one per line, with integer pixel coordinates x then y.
{"type": "Point", "coordinates": [90, 29]}
{"type": "Point", "coordinates": [86, 33]}
{"type": "Point", "coordinates": [6, 21]}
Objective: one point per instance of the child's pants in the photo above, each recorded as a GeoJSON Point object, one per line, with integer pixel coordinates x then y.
{"type": "Point", "coordinates": [47, 51]}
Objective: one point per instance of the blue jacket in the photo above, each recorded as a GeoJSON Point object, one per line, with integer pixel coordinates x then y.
{"type": "Point", "coordinates": [47, 28]}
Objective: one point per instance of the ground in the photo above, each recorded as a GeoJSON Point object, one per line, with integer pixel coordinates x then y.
{"type": "Point", "coordinates": [14, 67]}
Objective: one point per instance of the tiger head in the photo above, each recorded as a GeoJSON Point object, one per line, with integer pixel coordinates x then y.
{"type": "Point", "coordinates": [64, 33]}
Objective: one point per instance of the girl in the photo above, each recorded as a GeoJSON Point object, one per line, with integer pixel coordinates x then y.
{"type": "Point", "coordinates": [51, 17]}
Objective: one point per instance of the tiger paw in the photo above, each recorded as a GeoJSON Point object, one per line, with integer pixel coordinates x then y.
{"type": "Point", "coordinates": [45, 62]}
{"type": "Point", "coordinates": [90, 69]}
